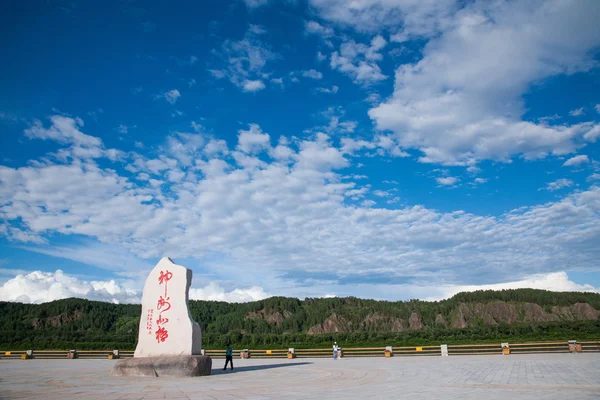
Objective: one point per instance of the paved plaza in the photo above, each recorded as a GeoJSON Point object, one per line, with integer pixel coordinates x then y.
{"type": "Point", "coordinates": [539, 376]}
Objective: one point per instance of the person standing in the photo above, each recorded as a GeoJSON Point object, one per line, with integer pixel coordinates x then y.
{"type": "Point", "coordinates": [335, 350]}
{"type": "Point", "coordinates": [228, 356]}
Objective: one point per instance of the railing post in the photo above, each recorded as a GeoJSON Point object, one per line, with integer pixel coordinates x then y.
{"type": "Point", "coordinates": [574, 347]}
{"type": "Point", "coordinates": [444, 350]}
{"type": "Point", "coordinates": [389, 352]}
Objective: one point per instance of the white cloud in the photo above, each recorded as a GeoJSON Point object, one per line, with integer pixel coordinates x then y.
{"type": "Point", "coordinates": [215, 292]}
{"type": "Point", "coordinates": [447, 180]}
{"type": "Point", "coordinates": [255, 3]}
{"type": "Point", "coordinates": [359, 61]}
{"type": "Point", "coordinates": [253, 86]}
{"type": "Point", "coordinates": [253, 139]}
{"type": "Point", "coordinates": [593, 177]}
{"type": "Point", "coordinates": [171, 96]}
{"type": "Point", "coordinates": [259, 210]}
{"type": "Point", "coordinates": [381, 193]}
{"type": "Point", "coordinates": [42, 287]}
{"type": "Point", "coordinates": [577, 160]}
{"type": "Point", "coordinates": [243, 61]}
{"type": "Point", "coordinates": [415, 17]}
{"type": "Point", "coordinates": [334, 89]}
{"type": "Point", "coordinates": [63, 130]}
{"type": "Point", "coordinates": [480, 180]}
{"type": "Point", "coordinates": [597, 107]}
{"type": "Point", "coordinates": [257, 29]}
{"type": "Point", "coordinates": [323, 57]}
{"type": "Point", "coordinates": [313, 27]}
{"type": "Point", "coordinates": [373, 98]}
{"type": "Point", "coordinates": [458, 105]}
{"type": "Point", "coordinates": [122, 129]}
{"type": "Point", "coordinates": [556, 282]}
{"type": "Point", "coordinates": [312, 73]}
{"type": "Point", "coordinates": [577, 112]}
{"type": "Point", "coordinates": [559, 184]}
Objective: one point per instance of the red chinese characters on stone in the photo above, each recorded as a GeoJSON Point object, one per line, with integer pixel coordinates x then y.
{"type": "Point", "coordinates": [162, 302]}
{"type": "Point", "coordinates": [161, 334]}
{"type": "Point", "coordinates": [164, 277]}
{"type": "Point", "coordinates": [149, 317]}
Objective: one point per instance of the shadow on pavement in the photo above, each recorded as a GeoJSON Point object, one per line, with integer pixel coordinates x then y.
{"type": "Point", "coordinates": [248, 368]}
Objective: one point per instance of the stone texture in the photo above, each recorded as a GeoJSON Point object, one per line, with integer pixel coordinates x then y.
{"type": "Point", "coordinates": [166, 326]}
{"type": "Point", "coordinates": [514, 377]}
{"type": "Point", "coordinates": [171, 366]}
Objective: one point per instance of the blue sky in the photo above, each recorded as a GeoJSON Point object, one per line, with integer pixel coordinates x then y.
{"type": "Point", "coordinates": [378, 148]}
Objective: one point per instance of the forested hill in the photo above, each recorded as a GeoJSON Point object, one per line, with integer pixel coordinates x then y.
{"type": "Point", "coordinates": [280, 321]}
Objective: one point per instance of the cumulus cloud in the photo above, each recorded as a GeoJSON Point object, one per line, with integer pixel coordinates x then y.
{"type": "Point", "coordinates": [577, 112]}
{"type": "Point", "coordinates": [41, 287]}
{"type": "Point", "coordinates": [459, 105]}
{"type": "Point", "coordinates": [359, 61]}
{"type": "Point", "coordinates": [171, 96]}
{"type": "Point", "coordinates": [422, 18]}
{"type": "Point", "coordinates": [577, 160]}
{"type": "Point", "coordinates": [556, 282]}
{"type": "Point", "coordinates": [312, 73]}
{"type": "Point", "coordinates": [253, 86]}
{"type": "Point", "coordinates": [593, 177]}
{"type": "Point", "coordinates": [559, 184]}
{"type": "Point", "coordinates": [313, 27]}
{"type": "Point", "coordinates": [63, 130]}
{"type": "Point", "coordinates": [447, 180]}
{"type": "Point", "coordinates": [243, 61]}
{"type": "Point", "coordinates": [217, 293]}
{"type": "Point", "coordinates": [334, 89]}
{"type": "Point", "coordinates": [284, 212]}
{"type": "Point", "coordinates": [253, 139]}
{"type": "Point", "coordinates": [255, 3]}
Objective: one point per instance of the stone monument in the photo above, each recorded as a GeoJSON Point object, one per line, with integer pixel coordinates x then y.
{"type": "Point", "coordinates": [169, 340]}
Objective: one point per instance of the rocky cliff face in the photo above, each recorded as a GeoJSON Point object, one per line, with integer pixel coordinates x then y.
{"type": "Point", "coordinates": [271, 316]}
{"type": "Point", "coordinates": [463, 316]}
{"type": "Point", "coordinates": [56, 321]}
{"type": "Point", "coordinates": [333, 324]}
{"type": "Point", "coordinates": [501, 312]}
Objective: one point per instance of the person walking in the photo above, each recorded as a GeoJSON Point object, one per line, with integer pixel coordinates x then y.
{"type": "Point", "coordinates": [228, 356]}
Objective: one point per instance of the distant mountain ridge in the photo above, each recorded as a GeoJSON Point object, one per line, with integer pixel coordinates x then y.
{"type": "Point", "coordinates": [280, 319]}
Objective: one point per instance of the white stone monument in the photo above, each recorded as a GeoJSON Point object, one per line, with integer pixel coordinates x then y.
{"type": "Point", "coordinates": [166, 326]}
{"type": "Point", "coordinates": [169, 340]}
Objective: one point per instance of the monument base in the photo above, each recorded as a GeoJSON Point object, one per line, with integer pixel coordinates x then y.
{"type": "Point", "coordinates": [174, 366]}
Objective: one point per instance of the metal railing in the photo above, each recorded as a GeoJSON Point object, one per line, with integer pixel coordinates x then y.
{"type": "Point", "coordinates": [590, 346]}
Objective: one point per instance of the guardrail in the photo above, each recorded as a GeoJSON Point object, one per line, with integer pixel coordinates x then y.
{"type": "Point", "coordinates": [570, 346]}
